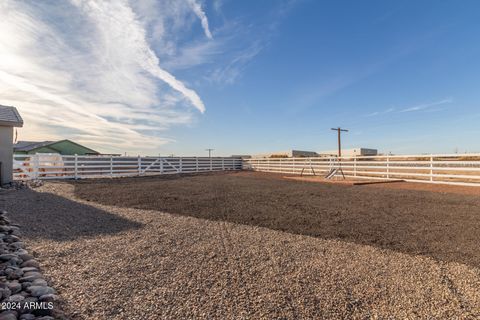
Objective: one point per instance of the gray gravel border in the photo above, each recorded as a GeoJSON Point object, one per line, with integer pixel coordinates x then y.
{"type": "Point", "coordinates": [119, 261]}
{"type": "Point", "coordinates": [24, 292]}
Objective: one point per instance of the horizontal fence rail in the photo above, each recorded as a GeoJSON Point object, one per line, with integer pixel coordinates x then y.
{"type": "Point", "coordinates": [457, 169]}
{"type": "Point", "coordinates": [461, 169]}
{"type": "Point", "coordinates": [54, 166]}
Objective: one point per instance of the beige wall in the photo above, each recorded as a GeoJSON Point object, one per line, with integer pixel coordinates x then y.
{"type": "Point", "coordinates": [6, 154]}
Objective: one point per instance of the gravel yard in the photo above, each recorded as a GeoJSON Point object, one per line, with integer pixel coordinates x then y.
{"type": "Point", "coordinates": [251, 245]}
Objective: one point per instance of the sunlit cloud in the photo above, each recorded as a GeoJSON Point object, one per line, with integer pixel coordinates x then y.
{"type": "Point", "coordinates": [84, 70]}
{"type": "Point", "coordinates": [197, 8]}
{"type": "Point", "coordinates": [106, 73]}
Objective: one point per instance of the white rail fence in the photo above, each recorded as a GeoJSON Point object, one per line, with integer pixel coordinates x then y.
{"type": "Point", "coordinates": [54, 166]}
{"type": "Point", "coordinates": [461, 169]}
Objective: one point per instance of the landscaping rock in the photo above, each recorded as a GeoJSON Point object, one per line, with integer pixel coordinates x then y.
{"type": "Point", "coordinates": [26, 284]}
{"type": "Point", "coordinates": [31, 278]}
{"type": "Point", "coordinates": [14, 230]}
{"type": "Point", "coordinates": [15, 287]}
{"type": "Point", "coordinates": [31, 299]}
{"type": "Point", "coordinates": [39, 282]}
{"type": "Point", "coordinates": [8, 315]}
{"type": "Point", "coordinates": [20, 278]}
{"type": "Point", "coordinates": [7, 256]}
{"type": "Point", "coordinates": [25, 256]}
{"type": "Point", "coordinates": [13, 273]}
{"type": "Point", "coordinates": [48, 298]}
{"type": "Point", "coordinates": [6, 293]}
{"type": "Point", "coordinates": [31, 263]}
{"type": "Point", "coordinates": [32, 273]}
{"type": "Point", "coordinates": [16, 245]}
{"type": "Point", "coordinates": [16, 298]}
{"type": "Point", "coordinates": [11, 238]}
{"type": "Point", "coordinates": [38, 291]}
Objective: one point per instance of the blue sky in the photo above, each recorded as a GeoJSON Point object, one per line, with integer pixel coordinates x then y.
{"type": "Point", "coordinates": [177, 77]}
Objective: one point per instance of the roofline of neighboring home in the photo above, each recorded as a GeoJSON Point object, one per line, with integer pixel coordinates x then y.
{"type": "Point", "coordinates": [11, 124]}
{"type": "Point", "coordinates": [49, 145]}
{"type": "Point", "coordinates": [18, 123]}
{"type": "Point", "coordinates": [93, 151]}
{"type": "Point", "coordinates": [18, 116]}
{"type": "Point", "coordinates": [32, 145]}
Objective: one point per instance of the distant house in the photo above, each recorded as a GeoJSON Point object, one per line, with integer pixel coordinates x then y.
{"type": "Point", "coordinates": [350, 152]}
{"type": "Point", "coordinates": [64, 147]}
{"type": "Point", "coordinates": [333, 153]}
{"type": "Point", "coordinates": [287, 154]}
{"type": "Point", "coordinates": [241, 156]}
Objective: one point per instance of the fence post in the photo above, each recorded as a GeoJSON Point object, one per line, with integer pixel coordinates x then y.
{"type": "Point", "coordinates": [196, 164]}
{"type": "Point", "coordinates": [75, 174]}
{"type": "Point", "coordinates": [223, 164]}
{"type": "Point", "coordinates": [293, 165]}
{"type": "Point", "coordinates": [211, 167]}
{"type": "Point", "coordinates": [388, 166]}
{"type": "Point", "coordinates": [431, 168]}
{"type": "Point", "coordinates": [35, 166]}
{"type": "Point", "coordinates": [161, 165]}
{"type": "Point", "coordinates": [180, 164]}
{"type": "Point", "coordinates": [139, 165]}
{"type": "Point", "coordinates": [355, 165]}
{"type": "Point", "coordinates": [111, 166]}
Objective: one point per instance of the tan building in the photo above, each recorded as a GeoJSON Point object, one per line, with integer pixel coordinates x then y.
{"type": "Point", "coordinates": [9, 118]}
{"type": "Point", "coordinates": [287, 154]}
{"type": "Point", "coordinates": [350, 152]}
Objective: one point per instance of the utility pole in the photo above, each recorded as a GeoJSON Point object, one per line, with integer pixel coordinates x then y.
{"type": "Point", "coordinates": [209, 152]}
{"type": "Point", "coordinates": [339, 131]}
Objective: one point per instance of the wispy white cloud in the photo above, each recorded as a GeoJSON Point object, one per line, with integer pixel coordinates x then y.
{"type": "Point", "coordinates": [197, 9]}
{"type": "Point", "coordinates": [255, 40]}
{"type": "Point", "coordinates": [224, 58]}
{"type": "Point", "coordinates": [104, 72]}
{"type": "Point", "coordinates": [217, 5]}
{"type": "Point", "coordinates": [230, 72]}
{"type": "Point", "coordinates": [195, 54]}
{"type": "Point", "coordinates": [418, 107]}
{"type": "Point", "coordinates": [424, 106]}
{"type": "Point", "coordinates": [85, 70]}
{"type": "Point", "coordinates": [117, 21]}
{"type": "Point", "coordinates": [377, 113]}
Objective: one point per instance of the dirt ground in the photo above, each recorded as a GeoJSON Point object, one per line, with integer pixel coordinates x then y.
{"type": "Point", "coordinates": [395, 184]}
{"type": "Point", "coordinates": [252, 245]}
